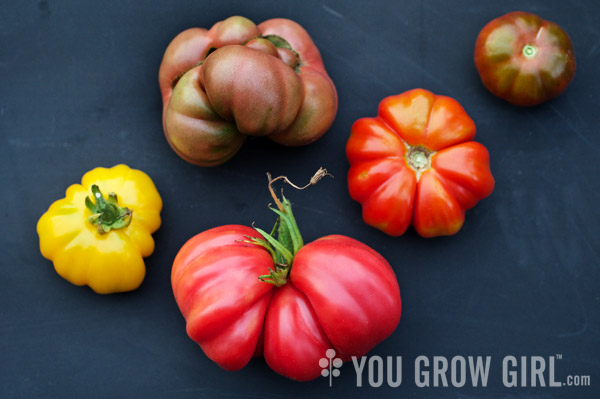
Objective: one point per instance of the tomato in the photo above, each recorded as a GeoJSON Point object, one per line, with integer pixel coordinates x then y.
{"type": "Point", "coordinates": [238, 79]}
{"type": "Point", "coordinates": [334, 292]}
{"type": "Point", "coordinates": [101, 241]}
{"type": "Point", "coordinates": [524, 59]}
{"type": "Point", "coordinates": [416, 163]}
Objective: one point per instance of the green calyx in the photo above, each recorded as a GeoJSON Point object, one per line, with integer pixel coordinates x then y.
{"type": "Point", "coordinates": [280, 42]}
{"type": "Point", "coordinates": [284, 241]}
{"type": "Point", "coordinates": [106, 213]}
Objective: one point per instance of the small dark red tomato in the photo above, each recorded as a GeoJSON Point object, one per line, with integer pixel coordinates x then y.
{"type": "Point", "coordinates": [524, 59]}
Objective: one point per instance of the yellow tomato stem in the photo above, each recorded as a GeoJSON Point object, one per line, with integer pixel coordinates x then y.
{"type": "Point", "coordinates": [106, 213]}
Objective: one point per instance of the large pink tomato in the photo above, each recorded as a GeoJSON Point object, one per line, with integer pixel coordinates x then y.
{"type": "Point", "coordinates": [243, 297]}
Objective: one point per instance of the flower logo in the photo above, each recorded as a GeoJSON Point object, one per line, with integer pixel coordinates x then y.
{"type": "Point", "coordinates": [330, 365]}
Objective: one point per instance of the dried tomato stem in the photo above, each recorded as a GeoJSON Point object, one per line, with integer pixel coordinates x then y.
{"type": "Point", "coordinates": [277, 202]}
{"type": "Point", "coordinates": [319, 174]}
{"type": "Point", "coordinates": [289, 240]}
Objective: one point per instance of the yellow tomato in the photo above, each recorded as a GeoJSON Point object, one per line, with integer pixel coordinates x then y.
{"type": "Point", "coordinates": [101, 241]}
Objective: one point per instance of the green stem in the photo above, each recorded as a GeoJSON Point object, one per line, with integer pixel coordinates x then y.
{"type": "Point", "coordinates": [279, 248]}
{"type": "Point", "coordinates": [289, 241]}
{"type": "Point", "coordinates": [288, 218]}
{"type": "Point", "coordinates": [106, 213]}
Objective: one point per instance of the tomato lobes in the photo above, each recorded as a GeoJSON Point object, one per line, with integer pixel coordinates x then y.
{"type": "Point", "coordinates": [436, 212]}
{"type": "Point", "coordinates": [408, 115]}
{"type": "Point", "coordinates": [265, 80]}
{"type": "Point", "coordinates": [255, 112]}
{"type": "Point", "coordinates": [102, 243]}
{"type": "Point", "coordinates": [353, 290]}
{"type": "Point", "coordinates": [235, 345]}
{"type": "Point", "coordinates": [448, 125]}
{"type": "Point", "coordinates": [291, 316]}
{"type": "Point", "coordinates": [341, 294]}
{"type": "Point", "coordinates": [372, 139]}
{"type": "Point", "coordinates": [416, 164]}
{"type": "Point", "coordinates": [465, 170]}
{"type": "Point", "coordinates": [390, 205]}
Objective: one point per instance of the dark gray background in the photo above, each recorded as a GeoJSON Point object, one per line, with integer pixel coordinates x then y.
{"type": "Point", "coordinates": [79, 89]}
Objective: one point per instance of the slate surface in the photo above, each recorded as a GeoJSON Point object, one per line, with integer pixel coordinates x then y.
{"type": "Point", "coordinates": [79, 90]}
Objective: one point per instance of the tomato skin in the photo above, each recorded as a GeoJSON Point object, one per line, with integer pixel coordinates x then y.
{"type": "Point", "coordinates": [337, 273]}
{"type": "Point", "coordinates": [111, 261]}
{"type": "Point", "coordinates": [320, 100]}
{"type": "Point", "coordinates": [255, 110]}
{"type": "Point", "coordinates": [215, 284]}
{"type": "Point", "coordinates": [454, 176]}
{"type": "Point", "coordinates": [238, 79]}
{"type": "Point", "coordinates": [340, 294]}
{"type": "Point", "coordinates": [524, 59]}
{"type": "Point", "coordinates": [296, 340]}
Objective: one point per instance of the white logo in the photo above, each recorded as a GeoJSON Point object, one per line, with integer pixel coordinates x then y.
{"type": "Point", "coordinates": [458, 371]}
{"type": "Point", "coordinates": [330, 365]}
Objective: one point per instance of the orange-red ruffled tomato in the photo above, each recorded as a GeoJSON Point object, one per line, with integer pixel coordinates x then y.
{"type": "Point", "coordinates": [415, 163]}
